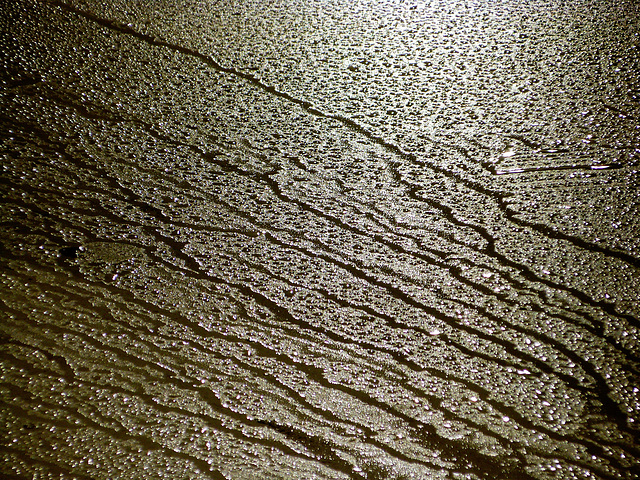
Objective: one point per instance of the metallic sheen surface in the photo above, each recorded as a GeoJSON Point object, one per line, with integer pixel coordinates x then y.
{"type": "Point", "coordinates": [320, 239]}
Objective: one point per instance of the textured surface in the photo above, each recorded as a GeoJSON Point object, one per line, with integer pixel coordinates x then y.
{"type": "Point", "coordinates": [320, 239]}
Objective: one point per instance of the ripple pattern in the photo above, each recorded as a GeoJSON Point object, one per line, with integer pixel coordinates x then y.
{"type": "Point", "coordinates": [209, 274]}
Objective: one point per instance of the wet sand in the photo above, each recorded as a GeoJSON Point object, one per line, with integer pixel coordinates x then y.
{"type": "Point", "coordinates": [278, 240]}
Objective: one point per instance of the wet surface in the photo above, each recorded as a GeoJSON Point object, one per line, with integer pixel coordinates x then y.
{"type": "Point", "coordinates": [378, 240]}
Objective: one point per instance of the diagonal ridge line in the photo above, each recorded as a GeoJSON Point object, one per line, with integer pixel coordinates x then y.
{"type": "Point", "coordinates": [352, 125]}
